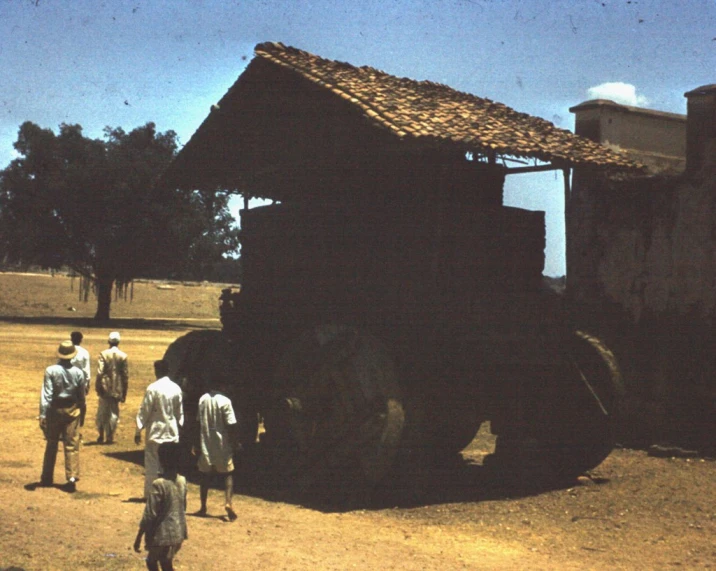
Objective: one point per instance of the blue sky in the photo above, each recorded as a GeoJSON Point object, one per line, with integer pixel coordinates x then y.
{"type": "Point", "coordinates": [123, 63]}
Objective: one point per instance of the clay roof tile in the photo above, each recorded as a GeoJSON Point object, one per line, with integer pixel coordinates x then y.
{"type": "Point", "coordinates": [428, 109]}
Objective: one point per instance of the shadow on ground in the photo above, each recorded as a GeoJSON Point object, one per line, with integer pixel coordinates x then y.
{"type": "Point", "coordinates": [158, 324]}
{"type": "Point", "coordinates": [456, 480]}
{"type": "Point", "coordinates": [32, 486]}
{"type": "Point", "coordinates": [132, 456]}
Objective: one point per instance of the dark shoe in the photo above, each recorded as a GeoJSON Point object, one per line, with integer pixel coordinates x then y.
{"type": "Point", "coordinates": [200, 512]}
{"type": "Point", "coordinates": [32, 487]}
{"type": "Point", "coordinates": [100, 440]}
{"type": "Point", "coordinates": [230, 513]}
{"type": "Point", "coordinates": [71, 485]}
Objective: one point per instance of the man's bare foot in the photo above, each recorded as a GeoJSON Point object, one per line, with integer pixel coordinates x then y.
{"type": "Point", "coordinates": [201, 512]}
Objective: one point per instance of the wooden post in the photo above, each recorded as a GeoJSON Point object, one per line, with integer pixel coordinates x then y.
{"type": "Point", "coordinates": [566, 172]}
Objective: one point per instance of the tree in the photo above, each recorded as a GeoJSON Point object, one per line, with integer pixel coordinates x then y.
{"type": "Point", "coordinates": [213, 231]}
{"type": "Point", "coordinates": [93, 205]}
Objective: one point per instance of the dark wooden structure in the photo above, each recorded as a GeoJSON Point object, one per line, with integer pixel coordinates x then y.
{"type": "Point", "coordinates": [390, 302]}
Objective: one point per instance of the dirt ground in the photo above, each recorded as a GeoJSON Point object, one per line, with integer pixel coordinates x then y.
{"type": "Point", "coordinates": [635, 512]}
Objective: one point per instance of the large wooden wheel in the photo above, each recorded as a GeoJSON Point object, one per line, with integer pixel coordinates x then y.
{"type": "Point", "coordinates": [443, 420]}
{"type": "Point", "coordinates": [338, 406]}
{"type": "Point", "coordinates": [570, 429]}
{"type": "Point", "coordinates": [209, 360]}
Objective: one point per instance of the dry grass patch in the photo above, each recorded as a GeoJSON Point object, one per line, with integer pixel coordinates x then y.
{"type": "Point", "coordinates": [43, 295]}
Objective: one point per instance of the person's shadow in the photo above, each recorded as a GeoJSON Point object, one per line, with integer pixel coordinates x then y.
{"type": "Point", "coordinates": [207, 516]}
{"type": "Point", "coordinates": [35, 485]}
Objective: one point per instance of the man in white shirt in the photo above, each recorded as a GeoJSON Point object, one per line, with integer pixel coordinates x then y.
{"type": "Point", "coordinates": [161, 413]}
{"type": "Point", "coordinates": [217, 442]}
{"type": "Point", "coordinates": [82, 358]}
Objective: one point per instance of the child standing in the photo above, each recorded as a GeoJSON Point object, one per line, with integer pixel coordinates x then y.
{"type": "Point", "coordinates": [164, 520]}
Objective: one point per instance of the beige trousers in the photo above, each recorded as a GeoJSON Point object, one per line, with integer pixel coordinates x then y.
{"type": "Point", "coordinates": [107, 415]}
{"type": "Point", "coordinates": [62, 424]}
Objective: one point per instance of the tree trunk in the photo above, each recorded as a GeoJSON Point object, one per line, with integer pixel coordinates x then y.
{"type": "Point", "coordinates": [104, 297]}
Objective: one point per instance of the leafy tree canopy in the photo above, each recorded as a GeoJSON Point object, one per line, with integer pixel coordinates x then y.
{"type": "Point", "coordinates": [93, 205]}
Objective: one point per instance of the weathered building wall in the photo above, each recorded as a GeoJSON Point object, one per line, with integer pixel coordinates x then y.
{"type": "Point", "coordinates": [652, 138]}
{"type": "Point", "coordinates": [642, 270]}
{"type": "Point", "coordinates": [648, 245]}
{"type": "Point", "coordinates": [631, 127]}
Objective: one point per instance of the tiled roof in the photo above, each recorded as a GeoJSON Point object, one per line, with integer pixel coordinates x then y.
{"type": "Point", "coordinates": [435, 112]}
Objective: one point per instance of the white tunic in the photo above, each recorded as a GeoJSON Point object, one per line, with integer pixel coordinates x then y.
{"type": "Point", "coordinates": [82, 361]}
{"type": "Point", "coordinates": [161, 411]}
{"type": "Point", "coordinates": [215, 416]}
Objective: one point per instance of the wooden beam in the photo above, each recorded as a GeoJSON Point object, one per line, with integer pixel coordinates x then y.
{"type": "Point", "coordinates": [566, 173]}
{"type": "Point", "coordinates": [536, 168]}
{"type": "Point", "coordinates": [567, 187]}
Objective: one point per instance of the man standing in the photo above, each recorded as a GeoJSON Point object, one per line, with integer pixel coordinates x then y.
{"type": "Point", "coordinates": [62, 412]}
{"type": "Point", "coordinates": [218, 439]}
{"type": "Point", "coordinates": [82, 359]}
{"type": "Point", "coordinates": [161, 413]}
{"type": "Point", "coordinates": [111, 385]}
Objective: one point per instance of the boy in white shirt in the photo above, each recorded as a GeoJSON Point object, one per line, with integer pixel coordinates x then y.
{"type": "Point", "coordinates": [217, 442]}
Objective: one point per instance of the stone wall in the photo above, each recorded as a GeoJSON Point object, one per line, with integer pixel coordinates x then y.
{"type": "Point", "coordinates": [642, 270]}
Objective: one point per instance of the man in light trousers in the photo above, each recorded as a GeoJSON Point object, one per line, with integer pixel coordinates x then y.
{"type": "Point", "coordinates": [161, 414]}
{"type": "Point", "coordinates": [62, 412]}
{"type": "Point", "coordinates": [111, 385]}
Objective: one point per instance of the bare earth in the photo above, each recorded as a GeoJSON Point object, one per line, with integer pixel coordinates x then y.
{"type": "Point", "coordinates": [636, 512]}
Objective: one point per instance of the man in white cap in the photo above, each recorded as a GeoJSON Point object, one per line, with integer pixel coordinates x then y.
{"type": "Point", "coordinates": [62, 412]}
{"type": "Point", "coordinates": [111, 385]}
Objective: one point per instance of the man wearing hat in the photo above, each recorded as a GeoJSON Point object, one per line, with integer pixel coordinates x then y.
{"type": "Point", "coordinates": [62, 412]}
{"type": "Point", "coordinates": [111, 385]}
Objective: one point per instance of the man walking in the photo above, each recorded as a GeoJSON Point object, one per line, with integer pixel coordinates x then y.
{"type": "Point", "coordinates": [161, 413]}
{"type": "Point", "coordinates": [82, 359]}
{"type": "Point", "coordinates": [111, 385]}
{"type": "Point", "coordinates": [62, 412]}
{"type": "Point", "coordinates": [218, 439]}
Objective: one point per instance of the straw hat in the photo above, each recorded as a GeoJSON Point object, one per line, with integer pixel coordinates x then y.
{"type": "Point", "coordinates": [66, 350]}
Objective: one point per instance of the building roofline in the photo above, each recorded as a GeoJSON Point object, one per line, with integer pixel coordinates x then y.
{"type": "Point", "coordinates": [414, 113]}
{"type": "Point", "coordinates": [463, 119]}
{"type": "Point", "coordinates": [703, 90]}
{"type": "Point", "coordinates": [598, 103]}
